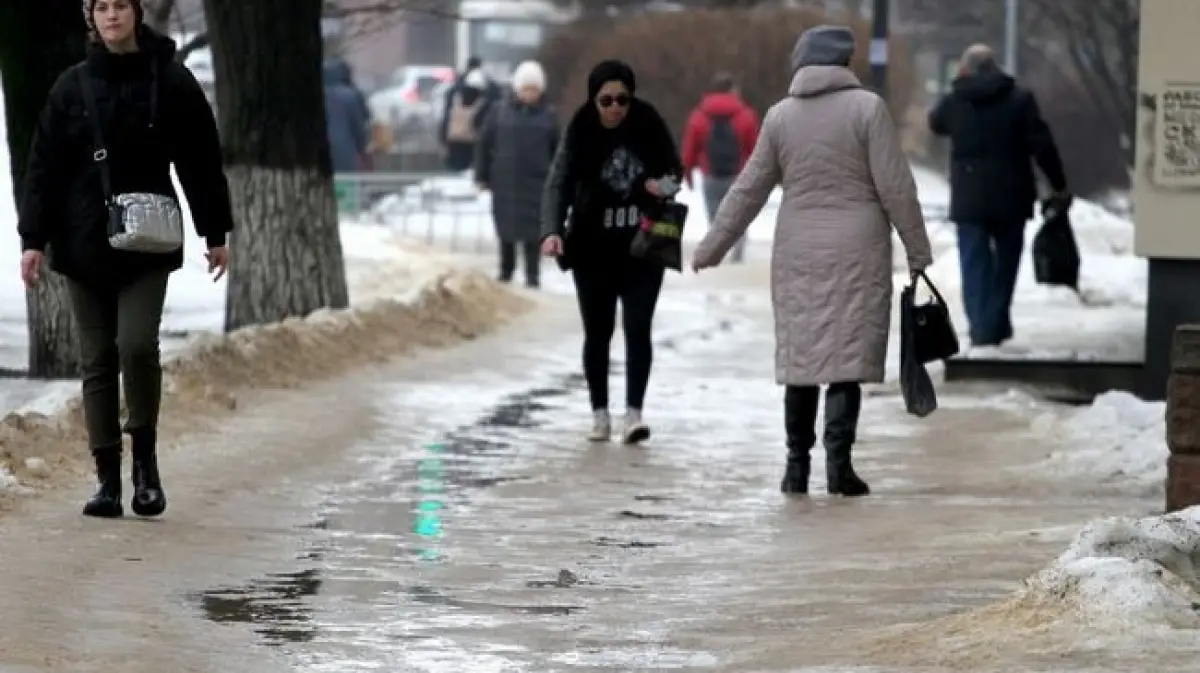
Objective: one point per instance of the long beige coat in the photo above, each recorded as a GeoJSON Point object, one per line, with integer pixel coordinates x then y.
{"type": "Point", "coordinates": [832, 147]}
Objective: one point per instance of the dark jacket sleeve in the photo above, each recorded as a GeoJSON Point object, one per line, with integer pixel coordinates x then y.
{"type": "Point", "coordinates": [485, 149]}
{"type": "Point", "coordinates": [939, 125]}
{"type": "Point", "coordinates": [37, 216]}
{"type": "Point", "coordinates": [1041, 144]}
{"type": "Point", "coordinates": [558, 190]}
{"type": "Point", "coordinates": [197, 158]}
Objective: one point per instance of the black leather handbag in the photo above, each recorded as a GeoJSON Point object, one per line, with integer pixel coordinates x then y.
{"type": "Point", "coordinates": [932, 336]}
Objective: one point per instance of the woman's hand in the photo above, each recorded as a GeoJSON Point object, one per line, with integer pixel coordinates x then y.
{"type": "Point", "coordinates": [552, 246]}
{"type": "Point", "coordinates": [699, 264]}
{"type": "Point", "coordinates": [653, 188]}
{"type": "Point", "coordinates": [218, 261]}
{"type": "Point", "coordinates": [31, 267]}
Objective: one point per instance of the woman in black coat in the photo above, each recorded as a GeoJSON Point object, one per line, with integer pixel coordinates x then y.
{"type": "Point", "coordinates": [150, 113]}
{"type": "Point", "coordinates": [512, 160]}
{"type": "Point", "coordinates": [609, 169]}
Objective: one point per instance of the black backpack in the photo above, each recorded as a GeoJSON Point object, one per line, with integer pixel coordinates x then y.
{"type": "Point", "coordinates": [723, 150]}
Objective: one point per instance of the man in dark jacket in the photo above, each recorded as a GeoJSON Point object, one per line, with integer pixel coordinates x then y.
{"type": "Point", "coordinates": [995, 128]}
{"type": "Point", "coordinates": [347, 118]}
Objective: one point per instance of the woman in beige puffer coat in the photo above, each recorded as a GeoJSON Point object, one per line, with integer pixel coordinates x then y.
{"type": "Point", "coordinates": [832, 147]}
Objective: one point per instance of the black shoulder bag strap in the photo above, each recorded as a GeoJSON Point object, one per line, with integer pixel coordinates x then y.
{"type": "Point", "coordinates": [116, 214]}
{"type": "Point", "coordinates": [100, 155]}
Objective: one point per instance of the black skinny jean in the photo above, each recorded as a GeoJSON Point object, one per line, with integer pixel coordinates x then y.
{"type": "Point", "coordinates": [599, 287]}
{"type": "Point", "coordinates": [118, 339]}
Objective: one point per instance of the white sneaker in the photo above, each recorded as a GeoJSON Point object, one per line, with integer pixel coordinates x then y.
{"type": "Point", "coordinates": [636, 429]}
{"type": "Point", "coordinates": [601, 426]}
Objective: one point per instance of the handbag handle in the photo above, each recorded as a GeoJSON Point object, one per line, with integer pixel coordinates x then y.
{"type": "Point", "coordinates": [932, 288]}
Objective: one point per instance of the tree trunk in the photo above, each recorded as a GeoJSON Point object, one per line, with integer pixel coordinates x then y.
{"type": "Point", "coordinates": [38, 40]}
{"type": "Point", "coordinates": [286, 252]}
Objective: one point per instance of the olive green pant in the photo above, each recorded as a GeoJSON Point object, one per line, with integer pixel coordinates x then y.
{"type": "Point", "coordinates": [118, 339]}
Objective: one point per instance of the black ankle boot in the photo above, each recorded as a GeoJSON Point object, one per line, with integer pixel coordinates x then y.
{"type": "Point", "coordinates": [148, 496]}
{"type": "Point", "coordinates": [106, 503]}
{"type": "Point", "coordinates": [799, 417]}
{"type": "Point", "coordinates": [842, 479]}
{"type": "Point", "coordinates": [796, 474]}
{"type": "Point", "coordinates": [843, 402]}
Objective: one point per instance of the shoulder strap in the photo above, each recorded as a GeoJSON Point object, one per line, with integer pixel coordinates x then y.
{"type": "Point", "coordinates": [100, 155]}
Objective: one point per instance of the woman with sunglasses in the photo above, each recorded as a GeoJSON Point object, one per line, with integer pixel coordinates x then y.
{"type": "Point", "coordinates": [616, 160]}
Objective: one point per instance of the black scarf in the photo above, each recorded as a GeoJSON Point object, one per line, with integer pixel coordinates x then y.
{"type": "Point", "coordinates": [643, 132]}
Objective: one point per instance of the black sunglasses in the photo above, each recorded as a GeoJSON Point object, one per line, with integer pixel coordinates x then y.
{"type": "Point", "coordinates": [621, 100]}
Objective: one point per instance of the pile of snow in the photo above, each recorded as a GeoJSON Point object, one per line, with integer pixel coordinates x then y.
{"type": "Point", "coordinates": [1122, 586]}
{"type": "Point", "coordinates": [1123, 573]}
{"type": "Point", "coordinates": [1119, 440]}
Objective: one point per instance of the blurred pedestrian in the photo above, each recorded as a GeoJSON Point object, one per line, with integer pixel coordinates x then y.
{"type": "Point", "coordinates": [466, 107]}
{"type": "Point", "coordinates": [616, 161]}
{"type": "Point", "coordinates": [150, 113]}
{"type": "Point", "coordinates": [512, 159]}
{"type": "Point", "coordinates": [718, 140]}
{"type": "Point", "coordinates": [832, 146]}
{"type": "Point", "coordinates": [347, 119]}
{"type": "Point", "coordinates": [995, 128]}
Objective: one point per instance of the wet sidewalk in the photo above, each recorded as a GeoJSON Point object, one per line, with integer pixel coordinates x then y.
{"type": "Point", "coordinates": [444, 514]}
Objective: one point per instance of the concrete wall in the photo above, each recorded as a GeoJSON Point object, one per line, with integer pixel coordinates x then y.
{"type": "Point", "coordinates": [1166, 187]}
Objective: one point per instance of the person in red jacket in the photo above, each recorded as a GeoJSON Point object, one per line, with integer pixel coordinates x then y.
{"type": "Point", "coordinates": [719, 138]}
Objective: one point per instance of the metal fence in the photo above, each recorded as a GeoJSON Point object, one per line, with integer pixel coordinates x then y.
{"type": "Point", "coordinates": [443, 209]}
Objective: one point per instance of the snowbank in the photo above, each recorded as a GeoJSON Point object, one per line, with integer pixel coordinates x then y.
{"type": "Point", "coordinates": [1123, 585]}
{"type": "Point", "coordinates": [1119, 440]}
{"type": "Point", "coordinates": [203, 379]}
{"type": "Point", "coordinates": [1123, 574]}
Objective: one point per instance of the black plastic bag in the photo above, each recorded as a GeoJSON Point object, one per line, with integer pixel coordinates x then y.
{"type": "Point", "coordinates": [920, 398]}
{"type": "Point", "coordinates": [1055, 253]}
{"type": "Point", "coordinates": [933, 335]}
{"type": "Point", "coordinates": [660, 235]}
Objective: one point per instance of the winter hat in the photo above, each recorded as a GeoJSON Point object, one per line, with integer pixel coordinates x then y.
{"type": "Point", "coordinates": [610, 71]}
{"type": "Point", "coordinates": [529, 73]}
{"type": "Point", "coordinates": [89, 7]}
{"type": "Point", "coordinates": [823, 45]}
{"type": "Point", "coordinates": [476, 80]}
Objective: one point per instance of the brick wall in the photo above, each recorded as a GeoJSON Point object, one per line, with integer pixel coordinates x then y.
{"type": "Point", "coordinates": [1183, 420]}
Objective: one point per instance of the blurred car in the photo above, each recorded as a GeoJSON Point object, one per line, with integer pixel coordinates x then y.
{"type": "Point", "coordinates": [410, 92]}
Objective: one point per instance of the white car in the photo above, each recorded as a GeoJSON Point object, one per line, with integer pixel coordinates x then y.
{"type": "Point", "coordinates": [411, 94]}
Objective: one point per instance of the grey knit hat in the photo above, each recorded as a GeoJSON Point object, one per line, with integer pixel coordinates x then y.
{"type": "Point", "coordinates": [90, 5]}
{"type": "Point", "coordinates": [823, 45]}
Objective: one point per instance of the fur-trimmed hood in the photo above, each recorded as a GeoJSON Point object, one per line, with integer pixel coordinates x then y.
{"type": "Point", "coordinates": [643, 132]}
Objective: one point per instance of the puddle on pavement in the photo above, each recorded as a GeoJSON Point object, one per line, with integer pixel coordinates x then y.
{"type": "Point", "coordinates": [353, 543]}
{"type": "Point", "coordinates": [275, 606]}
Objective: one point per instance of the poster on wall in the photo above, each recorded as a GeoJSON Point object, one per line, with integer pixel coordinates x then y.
{"type": "Point", "coordinates": [1177, 141]}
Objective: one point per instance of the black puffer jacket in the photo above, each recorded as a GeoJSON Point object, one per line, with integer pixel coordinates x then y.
{"type": "Point", "coordinates": [995, 130]}
{"type": "Point", "coordinates": [62, 208]}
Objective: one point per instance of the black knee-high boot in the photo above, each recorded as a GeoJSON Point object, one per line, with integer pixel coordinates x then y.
{"type": "Point", "coordinates": [843, 402]}
{"type": "Point", "coordinates": [799, 420]}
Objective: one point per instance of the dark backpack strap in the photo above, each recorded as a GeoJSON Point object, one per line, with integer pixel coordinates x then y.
{"type": "Point", "coordinates": [100, 155]}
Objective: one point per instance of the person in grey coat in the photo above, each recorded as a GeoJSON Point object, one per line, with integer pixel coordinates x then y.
{"type": "Point", "coordinates": [832, 146]}
{"type": "Point", "coordinates": [512, 159]}
{"type": "Point", "coordinates": [347, 119]}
